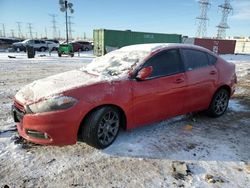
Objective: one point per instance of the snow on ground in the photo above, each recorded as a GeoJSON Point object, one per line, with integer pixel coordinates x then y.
{"type": "Point", "coordinates": [216, 151]}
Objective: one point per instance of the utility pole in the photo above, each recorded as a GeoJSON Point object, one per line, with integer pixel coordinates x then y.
{"type": "Point", "coordinates": [54, 27]}
{"type": "Point", "coordinates": [19, 30]}
{"type": "Point", "coordinates": [65, 6]}
{"type": "Point", "coordinates": [3, 30]}
{"type": "Point", "coordinates": [70, 27]}
{"type": "Point", "coordinates": [59, 34]}
{"type": "Point", "coordinates": [226, 9]}
{"type": "Point", "coordinates": [30, 30]}
{"type": "Point", "coordinates": [46, 33]}
{"type": "Point", "coordinates": [202, 18]}
{"type": "Point", "coordinates": [12, 33]}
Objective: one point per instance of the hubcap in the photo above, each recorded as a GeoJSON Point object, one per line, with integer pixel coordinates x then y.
{"type": "Point", "coordinates": [108, 127]}
{"type": "Point", "coordinates": [221, 101]}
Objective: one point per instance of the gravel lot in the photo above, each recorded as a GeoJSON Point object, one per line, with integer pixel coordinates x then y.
{"type": "Point", "coordinates": [185, 151]}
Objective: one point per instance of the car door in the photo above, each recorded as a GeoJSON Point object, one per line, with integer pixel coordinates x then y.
{"type": "Point", "coordinates": [161, 95]}
{"type": "Point", "coordinates": [201, 79]}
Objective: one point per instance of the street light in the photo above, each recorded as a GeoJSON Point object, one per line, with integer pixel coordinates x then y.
{"type": "Point", "coordinates": [65, 6]}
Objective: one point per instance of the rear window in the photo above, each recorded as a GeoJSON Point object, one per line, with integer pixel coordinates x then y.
{"type": "Point", "coordinates": [195, 59]}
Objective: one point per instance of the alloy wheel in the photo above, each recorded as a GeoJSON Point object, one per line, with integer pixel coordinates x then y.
{"type": "Point", "coordinates": [108, 127]}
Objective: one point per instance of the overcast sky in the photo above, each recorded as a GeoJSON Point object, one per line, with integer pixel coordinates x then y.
{"type": "Point", "coordinates": [162, 16]}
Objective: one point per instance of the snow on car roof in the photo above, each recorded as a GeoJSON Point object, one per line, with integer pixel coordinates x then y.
{"type": "Point", "coordinates": [117, 62]}
{"type": "Point", "coordinates": [156, 46]}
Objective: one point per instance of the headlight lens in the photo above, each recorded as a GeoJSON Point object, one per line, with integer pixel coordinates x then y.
{"type": "Point", "coordinates": [51, 104]}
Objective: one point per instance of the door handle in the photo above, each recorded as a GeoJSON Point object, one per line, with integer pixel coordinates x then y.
{"type": "Point", "coordinates": [179, 80]}
{"type": "Point", "coordinates": [213, 72]}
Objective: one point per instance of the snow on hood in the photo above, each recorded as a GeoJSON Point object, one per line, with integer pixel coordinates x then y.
{"type": "Point", "coordinates": [54, 85]}
{"type": "Point", "coordinates": [118, 62]}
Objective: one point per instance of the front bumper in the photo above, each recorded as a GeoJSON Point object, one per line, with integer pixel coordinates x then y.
{"type": "Point", "coordinates": [50, 128]}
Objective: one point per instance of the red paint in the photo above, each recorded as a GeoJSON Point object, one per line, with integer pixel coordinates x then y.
{"type": "Point", "coordinates": [217, 45]}
{"type": "Point", "coordinates": [143, 102]}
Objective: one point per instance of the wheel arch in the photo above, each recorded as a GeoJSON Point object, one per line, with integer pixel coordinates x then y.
{"type": "Point", "coordinates": [226, 87]}
{"type": "Point", "coordinates": [122, 112]}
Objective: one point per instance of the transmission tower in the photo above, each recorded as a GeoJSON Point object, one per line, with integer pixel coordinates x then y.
{"type": "Point", "coordinates": [30, 30]}
{"type": "Point", "coordinates": [54, 27]}
{"type": "Point", "coordinates": [19, 29]}
{"type": "Point", "coordinates": [70, 27]}
{"type": "Point", "coordinates": [202, 18]}
{"type": "Point", "coordinates": [226, 9]}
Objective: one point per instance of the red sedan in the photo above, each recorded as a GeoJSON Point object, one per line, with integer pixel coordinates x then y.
{"type": "Point", "coordinates": [127, 88]}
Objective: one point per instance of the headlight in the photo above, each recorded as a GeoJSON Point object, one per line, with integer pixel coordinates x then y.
{"type": "Point", "coordinates": [51, 104]}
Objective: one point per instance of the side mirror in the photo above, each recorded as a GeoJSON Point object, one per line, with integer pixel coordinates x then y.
{"type": "Point", "coordinates": [144, 73]}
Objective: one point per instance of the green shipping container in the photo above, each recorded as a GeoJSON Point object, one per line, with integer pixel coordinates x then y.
{"type": "Point", "coordinates": [109, 40]}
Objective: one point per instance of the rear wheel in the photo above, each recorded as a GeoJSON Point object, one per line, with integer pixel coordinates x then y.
{"type": "Point", "coordinates": [101, 127]}
{"type": "Point", "coordinates": [59, 55]}
{"type": "Point", "coordinates": [219, 103]}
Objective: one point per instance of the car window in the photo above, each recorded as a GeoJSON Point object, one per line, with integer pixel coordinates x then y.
{"type": "Point", "coordinates": [195, 59]}
{"type": "Point", "coordinates": [165, 63]}
{"type": "Point", "coordinates": [212, 60]}
{"type": "Point", "coordinates": [37, 42]}
{"type": "Point", "coordinates": [43, 42]}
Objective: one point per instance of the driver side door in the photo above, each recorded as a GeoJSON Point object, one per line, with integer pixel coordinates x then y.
{"type": "Point", "coordinates": [162, 94]}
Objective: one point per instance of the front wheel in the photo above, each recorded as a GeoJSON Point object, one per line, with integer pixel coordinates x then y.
{"type": "Point", "coordinates": [219, 103]}
{"type": "Point", "coordinates": [42, 49]}
{"type": "Point", "coordinates": [101, 127]}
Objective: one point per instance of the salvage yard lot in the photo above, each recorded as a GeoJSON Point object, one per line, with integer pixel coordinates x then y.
{"type": "Point", "coordinates": [215, 151]}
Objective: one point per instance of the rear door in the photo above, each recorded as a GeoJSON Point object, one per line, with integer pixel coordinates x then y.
{"type": "Point", "coordinates": [201, 79]}
{"type": "Point", "coordinates": [163, 93]}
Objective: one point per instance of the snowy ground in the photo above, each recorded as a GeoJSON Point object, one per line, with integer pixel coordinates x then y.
{"type": "Point", "coordinates": [215, 151]}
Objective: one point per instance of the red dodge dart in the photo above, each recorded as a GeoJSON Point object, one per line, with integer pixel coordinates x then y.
{"type": "Point", "coordinates": [127, 88]}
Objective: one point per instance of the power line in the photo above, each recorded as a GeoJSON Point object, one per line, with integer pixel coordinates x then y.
{"type": "Point", "coordinates": [226, 9]}
{"type": "Point", "coordinates": [202, 18]}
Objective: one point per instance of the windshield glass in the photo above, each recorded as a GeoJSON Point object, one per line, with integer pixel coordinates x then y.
{"type": "Point", "coordinates": [115, 63]}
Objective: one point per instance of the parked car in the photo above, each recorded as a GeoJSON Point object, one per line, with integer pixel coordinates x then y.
{"type": "Point", "coordinates": [127, 88]}
{"type": "Point", "coordinates": [39, 45]}
{"type": "Point", "coordinates": [7, 42]}
{"type": "Point", "coordinates": [86, 46]}
{"type": "Point", "coordinates": [76, 46]}
{"type": "Point", "coordinates": [52, 46]}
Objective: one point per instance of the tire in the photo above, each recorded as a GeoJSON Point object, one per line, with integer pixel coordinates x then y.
{"type": "Point", "coordinates": [219, 103]}
{"type": "Point", "coordinates": [101, 127]}
{"type": "Point", "coordinates": [59, 55]}
{"type": "Point", "coordinates": [42, 49]}
{"type": "Point", "coordinates": [86, 49]}
{"type": "Point", "coordinates": [72, 55]}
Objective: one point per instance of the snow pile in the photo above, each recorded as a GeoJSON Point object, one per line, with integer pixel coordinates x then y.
{"type": "Point", "coordinates": [54, 85]}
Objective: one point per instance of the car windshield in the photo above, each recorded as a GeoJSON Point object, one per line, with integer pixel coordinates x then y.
{"type": "Point", "coordinates": [115, 63]}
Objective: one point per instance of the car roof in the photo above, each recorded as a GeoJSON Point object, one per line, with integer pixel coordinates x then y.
{"type": "Point", "coordinates": [155, 47]}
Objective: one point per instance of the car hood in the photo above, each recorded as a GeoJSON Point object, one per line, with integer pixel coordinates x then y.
{"type": "Point", "coordinates": [55, 85]}
{"type": "Point", "coordinates": [17, 43]}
